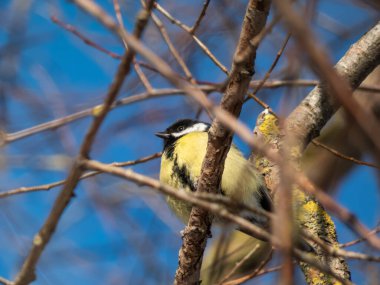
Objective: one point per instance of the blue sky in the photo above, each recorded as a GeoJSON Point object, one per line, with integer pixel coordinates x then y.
{"type": "Point", "coordinates": [114, 232]}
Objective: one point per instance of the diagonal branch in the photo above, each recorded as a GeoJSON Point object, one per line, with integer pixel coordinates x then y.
{"type": "Point", "coordinates": [317, 108]}
{"type": "Point", "coordinates": [47, 187]}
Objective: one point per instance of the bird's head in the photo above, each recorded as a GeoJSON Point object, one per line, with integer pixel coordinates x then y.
{"type": "Point", "coordinates": [181, 128]}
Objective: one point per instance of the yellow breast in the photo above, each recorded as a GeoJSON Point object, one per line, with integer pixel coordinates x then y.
{"type": "Point", "coordinates": [239, 179]}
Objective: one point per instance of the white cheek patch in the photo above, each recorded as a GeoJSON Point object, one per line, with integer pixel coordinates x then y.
{"type": "Point", "coordinates": [200, 127]}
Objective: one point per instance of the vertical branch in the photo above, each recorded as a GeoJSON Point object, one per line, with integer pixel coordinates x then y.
{"type": "Point", "coordinates": [198, 228]}
{"type": "Point", "coordinates": [200, 18]}
{"type": "Point", "coordinates": [283, 227]}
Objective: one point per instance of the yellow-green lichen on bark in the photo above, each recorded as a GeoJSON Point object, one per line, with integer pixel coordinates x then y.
{"type": "Point", "coordinates": [309, 214]}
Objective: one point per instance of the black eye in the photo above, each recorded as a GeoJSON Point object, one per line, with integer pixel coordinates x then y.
{"type": "Point", "coordinates": [180, 128]}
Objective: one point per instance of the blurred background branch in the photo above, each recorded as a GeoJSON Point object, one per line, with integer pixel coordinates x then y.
{"type": "Point", "coordinates": [56, 63]}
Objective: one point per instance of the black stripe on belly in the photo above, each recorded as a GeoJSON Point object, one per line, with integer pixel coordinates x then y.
{"type": "Point", "coordinates": [183, 175]}
{"type": "Point", "coordinates": [169, 150]}
{"type": "Point", "coordinates": [264, 199]}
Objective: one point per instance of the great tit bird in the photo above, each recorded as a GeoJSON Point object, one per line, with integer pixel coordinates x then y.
{"type": "Point", "coordinates": [185, 144]}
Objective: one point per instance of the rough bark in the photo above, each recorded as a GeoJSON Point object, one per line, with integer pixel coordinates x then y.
{"type": "Point", "coordinates": [304, 124]}
{"type": "Point", "coordinates": [198, 228]}
{"type": "Point", "coordinates": [316, 109]}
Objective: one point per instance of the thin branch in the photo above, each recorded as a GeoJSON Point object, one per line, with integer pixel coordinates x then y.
{"type": "Point", "coordinates": [268, 73]}
{"type": "Point", "coordinates": [338, 252]}
{"type": "Point", "coordinates": [5, 281]}
{"type": "Point", "coordinates": [171, 47]}
{"type": "Point", "coordinates": [354, 242]}
{"type": "Point", "coordinates": [119, 17]}
{"type": "Point", "coordinates": [304, 83]}
{"type": "Point", "coordinates": [343, 156]}
{"type": "Point", "coordinates": [87, 41]}
{"type": "Point", "coordinates": [242, 261]}
{"type": "Point", "coordinates": [247, 277]}
{"type": "Point", "coordinates": [195, 38]}
{"type": "Point", "coordinates": [91, 43]}
{"type": "Point", "coordinates": [46, 187]}
{"type": "Point", "coordinates": [93, 111]}
{"type": "Point", "coordinates": [200, 18]}
{"type": "Point", "coordinates": [239, 264]}
{"type": "Point", "coordinates": [144, 80]}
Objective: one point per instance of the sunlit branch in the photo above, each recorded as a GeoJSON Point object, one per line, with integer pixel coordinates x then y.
{"type": "Point", "coordinates": [46, 187]}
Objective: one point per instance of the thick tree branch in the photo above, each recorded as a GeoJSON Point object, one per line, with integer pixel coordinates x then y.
{"type": "Point", "coordinates": [198, 228]}
{"type": "Point", "coordinates": [306, 121]}
{"type": "Point", "coordinates": [316, 109]}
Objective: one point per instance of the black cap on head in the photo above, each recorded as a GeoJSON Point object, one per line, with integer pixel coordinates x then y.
{"type": "Point", "coordinates": [178, 127]}
{"type": "Point", "coordinates": [183, 123]}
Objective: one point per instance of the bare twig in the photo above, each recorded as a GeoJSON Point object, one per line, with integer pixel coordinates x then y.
{"type": "Point", "coordinates": [200, 18]}
{"type": "Point", "coordinates": [351, 243]}
{"type": "Point", "coordinates": [343, 156]}
{"type": "Point", "coordinates": [247, 277]}
{"type": "Point", "coordinates": [195, 38]}
{"type": "Point", "coordinates": [338, 252]}
{"type": "Point", "coordinates": [5, 281]}
{"type": "Point", "coordinates": [46, 187]}
{"type": "Point", "coordinates": [91, 43]}
{"type": "Point", "coordinates": [171, 47]}
{"type": "Point", "coordinates": [268, 73]}
{"type": "Point", "coordinates": [93, 111]}
{"type": "Point", "coordinates": [239, 264]}
{"type": "Point", "coordinates": [144, 80]}
{"type": "Point", "coordinates": [303, 83]}
{"type": "Point", "coordinates": [87, 41]}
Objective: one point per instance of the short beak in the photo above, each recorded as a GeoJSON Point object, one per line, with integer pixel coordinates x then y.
{"type": "Point", "coordinates": [162, 135]}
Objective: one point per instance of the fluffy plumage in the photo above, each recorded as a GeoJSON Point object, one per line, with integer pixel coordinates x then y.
{"type": "Point", "coordinates": [185, 145]}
